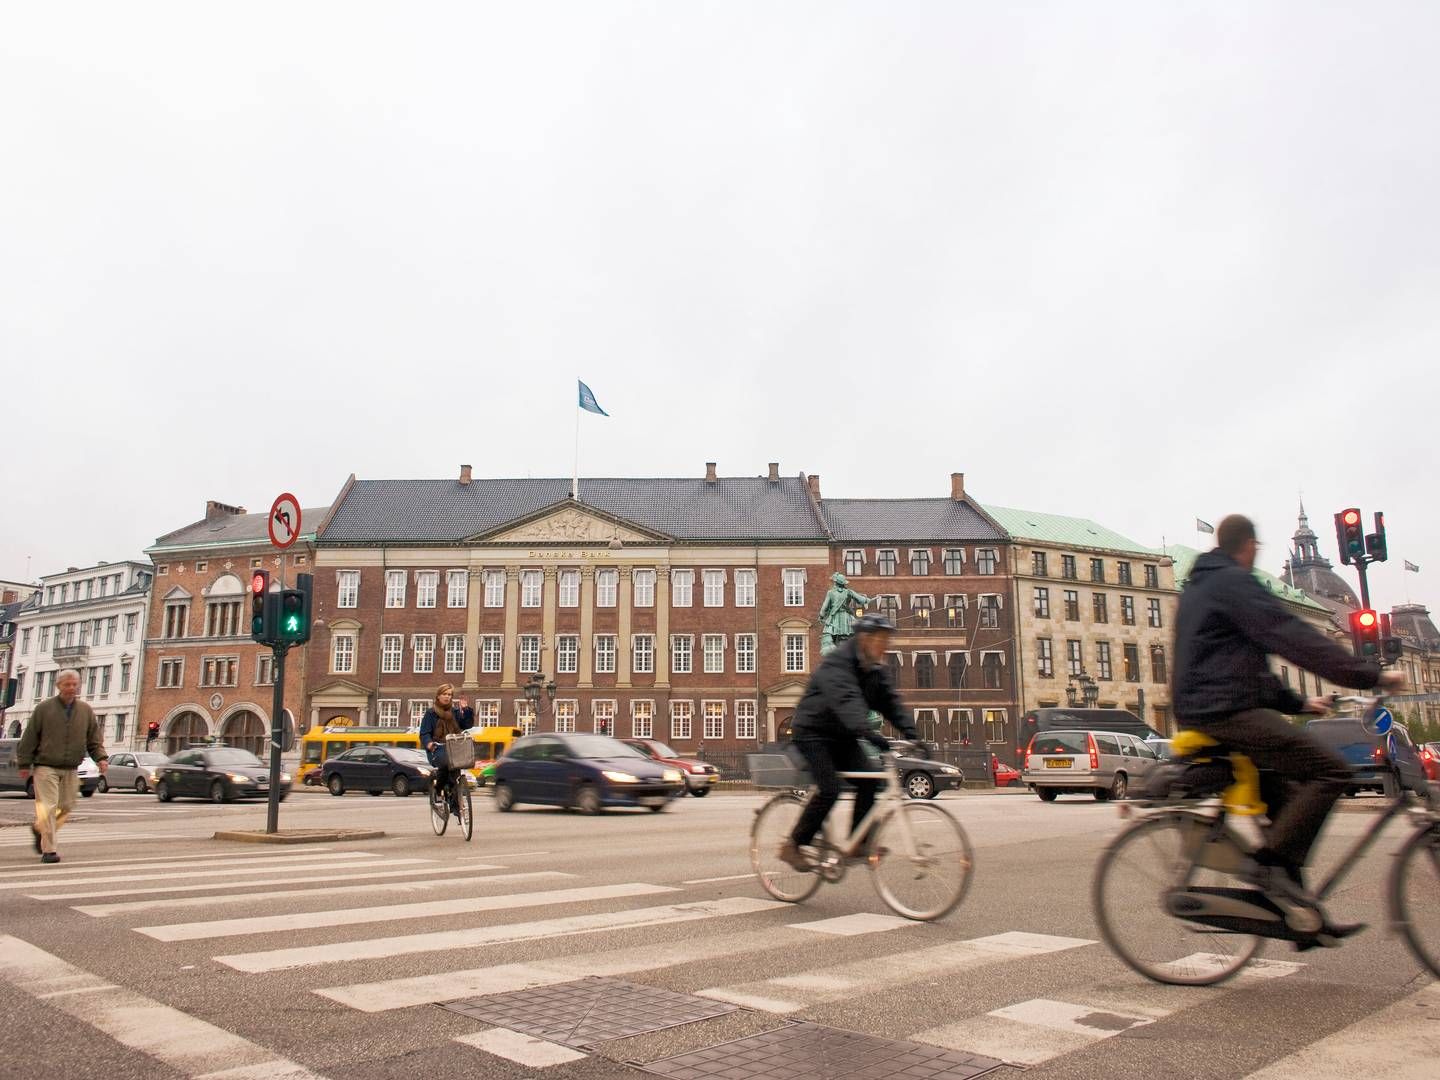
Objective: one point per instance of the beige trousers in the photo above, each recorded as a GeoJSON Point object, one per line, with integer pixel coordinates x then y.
{"type": "Point", "coordinates": [55, 794]}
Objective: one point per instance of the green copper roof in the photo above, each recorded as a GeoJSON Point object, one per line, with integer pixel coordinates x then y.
{"type": "Point", "coordinates": [1065, 531]}
{"type": "Point", "coordinates": [1184, 558]}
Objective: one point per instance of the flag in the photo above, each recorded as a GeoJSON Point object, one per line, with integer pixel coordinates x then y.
{"type": "Point", "coordinates": [588, 402]}
{"type": "Point", "coordinates": [1203, 526]}
{"type": "Point", "coordinates": [1411, 566]}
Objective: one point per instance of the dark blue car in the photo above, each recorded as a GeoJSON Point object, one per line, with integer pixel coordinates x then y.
{"type": "Point", "coordinates": [588, 772]}
{"type": "Point", "coordinates": [1370, 765]}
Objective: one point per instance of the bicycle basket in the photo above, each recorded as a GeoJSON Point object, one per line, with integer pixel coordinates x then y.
{"type": "Point", "coordinates": [460, 751]}
{"type": "Point", "coordinates": [778, 771]}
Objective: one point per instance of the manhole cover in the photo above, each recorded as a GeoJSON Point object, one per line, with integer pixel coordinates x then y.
{"type": "Point", "coordinates": [593, 1010]}
{"type": "Point", "coordinates": [822, 1053]}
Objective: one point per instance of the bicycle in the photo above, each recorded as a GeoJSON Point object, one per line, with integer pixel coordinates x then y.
{"type": "Point", "coordinates": [450, 783]}
{"type": "Point", "coordinates": [919, 857]}
{"type": "Point", "coordinates": [1190, 863]}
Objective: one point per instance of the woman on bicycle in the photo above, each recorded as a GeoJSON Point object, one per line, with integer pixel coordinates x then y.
{"type": "Point", "coordinates": [446, 716]}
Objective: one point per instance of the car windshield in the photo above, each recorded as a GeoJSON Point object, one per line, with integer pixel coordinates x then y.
{"type": "Point", "coordinates": [600, 746]}
{"type": "Point", "coordinates": [232, 756]}
{"type": "Point", "coordinates": [1061, 742]}
{"type": "Point", "coordinates": [150, 759]}
{"type": "Point", "coordinates": [409, 756]}
{"type": "Point", "coordinates": [663, 750]}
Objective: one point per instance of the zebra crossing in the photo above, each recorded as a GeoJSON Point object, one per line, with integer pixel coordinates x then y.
{"type": "Point", "coordinates": [511, 899]}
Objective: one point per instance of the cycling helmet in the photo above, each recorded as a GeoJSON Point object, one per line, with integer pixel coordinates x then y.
{"type": "Point", "coordinates": [871, 623]}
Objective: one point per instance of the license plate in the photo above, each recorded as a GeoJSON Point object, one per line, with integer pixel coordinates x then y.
{"type": "Point", "coordinates": [1059, 763]}
{"type": "Point", "coordinates": [652, 800]}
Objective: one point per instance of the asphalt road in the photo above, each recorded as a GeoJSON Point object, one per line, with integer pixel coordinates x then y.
{"type": "Point", "coordinates": [155, 951]}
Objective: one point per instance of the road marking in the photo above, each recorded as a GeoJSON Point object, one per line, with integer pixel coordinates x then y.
{"type": "Point", "coordinates": [708, 880]}
{"type": "Point", "coordinates": [263, 856]}
{"type": "Point", "coordinates": [425, 867]}
{"type": "Point", "coordinates": [460, 938]}
{"type": "Point", "coordinates": [178, 1040]}
{"type": "Point", "coordinates": [850, 925]}
{"type": "Point", "coordinates": [73, 836]}
{"type": "Point", "coordinates": [333, 862]}
{"type": "Point", "coordinates": [521, 1049]}
{"type": "Point", "coordinates": [79, 875]}
{"type": "Point", "coordinates": [478, 876]}
{"type": "Point", "coordinates": [332, 917]}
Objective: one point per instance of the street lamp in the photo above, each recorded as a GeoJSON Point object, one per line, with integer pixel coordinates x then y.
{"type": "Point", "coordinates": [533, 689]}
{"type": "Point", "coordinates": [1088, 690]}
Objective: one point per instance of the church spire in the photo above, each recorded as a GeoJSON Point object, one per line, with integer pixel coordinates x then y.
{"type": "Point", "coordinates": [1305, 544]}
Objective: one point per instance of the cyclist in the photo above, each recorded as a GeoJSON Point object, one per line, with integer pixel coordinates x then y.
{"type": "Point", "coordinates": [833, 717]}
{"type": "Point", "coordinates": [445, 717]}
{"type": "Point", "coordinates": [1227, 625]}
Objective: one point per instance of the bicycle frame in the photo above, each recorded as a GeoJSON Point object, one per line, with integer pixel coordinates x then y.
{"type": "Point", "coordinates": [887, 801]}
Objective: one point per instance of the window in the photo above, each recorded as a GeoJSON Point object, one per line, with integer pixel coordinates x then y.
{"type": "Point", "coordinates": [794, 581]}
{"type": "Point", "coordinates": [744, 654]}
{"type": "Point", "coordinates": [1074, 664]}
{"type": "Point", "coordinates": [457, 588]}
{"type": "Point", "coordinates": [342, 654]}
{"type": "Point", "coordinates": [955, 611]}
{"type": "Point", "coordinates": [529, 653]}
{"type": "Point", "coordinates": [956, 664]}
{"type": "Point", "coordinates": [1155, 619]}
{"type": "Point", "coordinates": [607, 585]}
{"type": "Point", "coordinates": [1045, 657]}
{"type": "Point", "coordinates": [347, 588]}
{"type": "Point", "coordinates": [222, 619]}
{"type": "Point", "coordinates": [491, 655]}
{"type": "Point", "coordinates": [886, 561]}
{"type": "Point", "coordinates": [1072, 605]}
{"type": "Point", "coordinates": [795, 652]}
{"type": "Point", "coordinates": [565, 716]}
{"type": "Point", "coordinates": [394, 588]}
{"type": "Point", "coordinates": [392, 653]}
{"type": "Point", "coordinates": [713, 717]}
{"type": "Point", "coordinates": [962, 722]}
{"type": "Point", "coordinates": [219, 671]}
{"type": "Point", "coordinates": [682, 587]}
{"type": "Point", "coordinates": [642, 654]}
{"type": "Point", "coordinates": [487, 713]}
{"type": "Point", "coordinates": [120, 727]}
{"type": "Point", "coordinates": [1122, 570]}
{"type": "Point", "coordinates": [714, 588]}
{"type": "Point", "coordinates": [1157, 666]}
{"type": "Point", "coordinates": [642, 719]}
{"type": "Point", "coordinates": [418, 708]}
{"type": "Point", "coordinates": [985, 560]}
{"type": "Point", "coordinates": [989, 612]}
{"type": "Point", "coordinates": [1152, 576]}
{"type": "Point", "coordinates": [744, 588]}
{"type": "Point", "coordinates": [1097, 569]}
{"type": "Point", "coordinates": [427, 583]}
{"type": "Point", "coordinates": [603, 713]}
{"type": "Point", "coordinates": [745, 720]}
{"type": "Point", "coordinates": [1067, 567]}
{"type": "Point", "coordinates": [92, 673]}
{"type": "Point", "coordinates": [131, 623]}
{"type": "Point", "coordinates": [1127, 610]}
{"type": "Point", "coordinates": [1102, 613]}
{"type": "Point", "coordinates": [854, 562]}
{"type": "Point", "coordinates": [1102, 656]}
{"type": "Point", "coordinates": [681, 715]}
{"type": "Point", "coordinates": [644, 588]}
{"type": "Point", "coordinates": [454, 654]}
{"type": "Point", "coordinates": [387, 712]}
{"type": "Point", "coordinates": [494, 588]}
{"type": "Point", "coordinates": [1042, 602]}
{"type": "Point", "coordinates": [423, 646]}
{"type": "Point", "coordinates": [990, 665]}
{"type": "Point", "coordinates": [531, 582]}
{"type": "Point", "coordinates": [681, 647]}
{"type": "Point", "coordinates": [1039, 564]}
{"type": "Point", "coordinates": [954, 561]}
{"type": "Point", "coordinates": [924, 672]}
{"type": "Point", "coordinates": [888, 605]}
{"type": "Point", "coordinates": [176, 616]}
{"type": "Point", "coordinates": [525, 717]}
{"type": "Point", "coordinates": [567, 654]}
{"type": "Point", "coordinates": [25, 642]}
{"type": "Point", "coordinates": [125, 675]}
{"type": "Point", "coordinates": [713, 652]}
{"type": "Point", "coordinates": [569, 588]}
{"type": "Point", "coordinates": [995, 725]}
{"type": "Point", "coordinates": [605, 654]}
{"type": "Point", "coordinates": [919, 562]}
{"type": "Point", "coordinates": [922, 604]}
{"type": "Point", "coordinates": [264, 671]}
{"type": "Point", "coordinates": [1131, 660]}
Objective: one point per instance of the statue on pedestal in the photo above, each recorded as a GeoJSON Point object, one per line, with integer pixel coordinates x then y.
{"type": "Point", "coordinates": [837, 612]}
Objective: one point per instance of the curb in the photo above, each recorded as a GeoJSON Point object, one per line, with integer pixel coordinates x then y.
{"type": "Point", "coordinates": [300, 836]}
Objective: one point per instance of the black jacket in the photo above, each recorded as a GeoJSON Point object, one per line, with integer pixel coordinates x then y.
{"type": "Point", "coordinates": [842, 692]}
{"type": "Point", "coordinates": [1227, 626]}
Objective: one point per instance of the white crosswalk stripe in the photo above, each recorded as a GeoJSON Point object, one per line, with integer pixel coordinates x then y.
{"type": "Point", "coordinates": [331, 863]}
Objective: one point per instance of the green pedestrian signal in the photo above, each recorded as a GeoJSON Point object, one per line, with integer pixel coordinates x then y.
{"type": "Point", "coordinates": [295, 605]}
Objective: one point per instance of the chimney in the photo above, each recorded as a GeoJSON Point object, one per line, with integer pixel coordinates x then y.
{"type": "Point", "coordinates": [215, 510]}
{"type": "Point", "coordinates": [465, 475]}
{"type": "Point", "coordinates": [814, 479]}
{"type": "Point", "coordinates": [710, 472]}
{"type": "Point", "coordinates": [957, 486]}
{"type": "Point", "coordinates": [774, 472]}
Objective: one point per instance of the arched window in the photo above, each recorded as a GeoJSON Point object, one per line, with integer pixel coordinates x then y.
{"type": "Point", "coordinates": [188, 727]}
{"type": "Point", "coordinates": [246, 731]}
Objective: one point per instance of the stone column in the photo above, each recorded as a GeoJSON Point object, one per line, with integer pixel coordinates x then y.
{"type": "Point", "coordinates": [622, 632]}
{"type": "Point", "coordinates": [662, 628]}
{"type": "Point", "coordinates": [549, 603]}
{"type": "Point", "coordinates": [512, 628]}
{"type": "Point", "coordinates": [474, 597]}
{"type": "Point", "coordinates": [587, 627]}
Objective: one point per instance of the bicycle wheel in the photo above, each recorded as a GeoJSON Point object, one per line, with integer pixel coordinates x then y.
{"type": "Point", "coordinates": [773, 824]}
{"type": "Point", "coordinates": [467, 809]}
{"type": "Point", "coordinates": [1415, 896]}
{"type": "Point", "coordinates": [1132, 881]}
{"type": "Point", "coordinates": [439, 812]}
{"type": "Point", "coordinates": [920, 861]}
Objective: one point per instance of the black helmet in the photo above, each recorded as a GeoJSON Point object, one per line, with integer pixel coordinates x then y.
{"type": "Point", "coordinates": [872, 622]}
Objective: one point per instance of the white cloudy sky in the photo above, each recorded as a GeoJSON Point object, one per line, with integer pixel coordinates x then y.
{"type": "Point", "coordinates": [1133, 261]}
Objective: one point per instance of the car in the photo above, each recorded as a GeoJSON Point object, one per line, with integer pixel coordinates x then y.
{"type": "Point", "coordinates": [587, 772]}
{"type": "Point", "coordinates": [1365, 753]}
{"type": "Point", "coordinates": [10, 772]}
{"type": "Point", "coordinates": [1430, 759]}
{"type": "Point", "coordinates": [132, 771]}
{"type": "Point", "coordinates": [217, 773]}
{"type": "Point", "coordinates": [699, 776]}
{"type": "Point", "coordinates": [377, 769]}
{"type": "Point", "coordinates": [1038, 721]}
{"type": "Point", "coordinates": [1004, 775]}
{"type": "Point", "coordinates": [1104, 764]}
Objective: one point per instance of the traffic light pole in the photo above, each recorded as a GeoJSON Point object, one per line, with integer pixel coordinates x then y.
{"type": "Point", "coordinates": [277, 737]}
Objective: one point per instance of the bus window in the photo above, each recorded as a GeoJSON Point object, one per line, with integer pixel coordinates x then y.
{"type": "Point", "coordinates": [482, 750]}
{"type": "Point", "coordinates": [312, 753]}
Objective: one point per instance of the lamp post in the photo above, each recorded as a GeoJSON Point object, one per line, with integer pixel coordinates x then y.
{"type": "Point", "coordinates": [534, 687]}
{"type": "Point", "coordinates": [1082, 688]}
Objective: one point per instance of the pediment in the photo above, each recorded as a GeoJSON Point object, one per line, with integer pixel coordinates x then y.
{"type": "Point", "coordinates": [178, 592]}
{"type": "Point", "coordinates": [570, 523]}
{"type": "Point", "coordinates": [340, 688]}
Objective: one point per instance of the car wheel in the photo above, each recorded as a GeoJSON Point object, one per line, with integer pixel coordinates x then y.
{"type": "Point", "coordinates": [657, 809]}
{"type": "Point", "coordinates": [700, 792]}
{"type": "Point", "coordinates": [504, 797]}
{"type": "Point", "coordinates": [103, 786]}
{"type": "Point", "coordinates": [1047, 794]}
{"type": "Point", "coordinates": [86, 794]}
{"type": "Point", "coordinates": [1102, 794]}
{"type": "Point", "coordinates": [335, 784]}
{"type": "Point", "coordinates": [401, 786]}
{"type": "Point", "coordinates": [140, 786]}
{"type": "Point", "coordinates": [588, 801]}
{"type": "Point", "coordinates": [162, 791]}
{"type": "Point", "coordinates": [918, 785]}
{"type": "Point", "coordinates": [217, 791]}
{"type": "Point", "coordinates": [1120, 787]}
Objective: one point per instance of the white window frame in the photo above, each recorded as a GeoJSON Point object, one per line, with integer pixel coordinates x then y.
{"type": "Point", "coordinates": [792, 580]}
{"type": "Point", "coordinates": [881, 560]}
{"type": "Point", "coordinates": [747, 714]}
{"type": "Point", "coordinates": [492, 653]}
{"type": "Point", "coordinates": [682, 584]}
{"type": "Point", "coordinates": [712, 588]}
{"type": "Point", "coordinates": [853, 555]}
{"type": "Point", "coordinates": [454, 654]}
{"type": "Point", "coordinates": [994, 716]}
{"type": "Point", "coordinates": [567, 583]}
{"type": "Point", "coordinates": [347, 588]}
{"type": "Point", "coordinates": [494, 588]}
{"type": "Point", "coordinates": [528, 643]}
{"type": "Point", "coordinates": [605, 653]}
{"type": "Point", "coordinates": [642, 659]}
{"type": "Point", "coordinates": [642, 718]}
{"type": "Point", "coordinates": [682, 654]}
{"type": "Point", "coordinates": [532, 587]}
{"type": "Point", "coordinates": [567, 654]}
{"type": "Point", "coordinates": [387, 713]}
{"type": "Point", "coordinates": [792, 651]}
{"type": "Point", "coordinates": [712, 719]}
{"type": "Point", "coordinates": [394, 588]}
{"type": "Point", "coordinates": [746, 654]}
{"type": "Point", "coordinates": [457, 588]}
{"type": "Point", "coordinates": [342, 653]}
{"type": "Point", "coordinates": [427, 588]}
{"type": "Point", "coordinates": [567, 712]}
{"type": "Point", "coordinates": [422, 654]}
{"type": "Point", "coordinates": [418, 708]}
{"type": "Point", "coordinates": [607, 587]}
{"type": "Point", "coordinates": [392, 654]}
{"type": "Point", "coordinates": [525, 716]}
{"type": "Point", "coordinates": [607, 707]}
{"type": "Point", "coordinates": [987, 555]}
{"type": "Point", "coordinates": [487, 713]}
{"type": "Point", "coordinates": [682, 720]}
{"type": "Point", "coordinates": [712, 653]}
{"type": "Point", "coordinates": [642, 588]}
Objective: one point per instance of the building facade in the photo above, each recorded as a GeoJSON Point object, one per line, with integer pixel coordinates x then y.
{"type": "Point", "coordinates": [92, 620]}
{"type": "Point", "coordinates": [1420, 664]}
{"type": "Point", "coordinates": [203, 676]}
{"type": "Point", "coordinates": [1096, 614]}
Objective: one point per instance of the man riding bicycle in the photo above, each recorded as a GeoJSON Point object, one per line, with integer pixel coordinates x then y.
{"type": "Point", "coordinates": [444, 717]}
{"type": "Point", "coordinates": [833, 717]}
{"type": "Point", "coordinates": [1227, 626]}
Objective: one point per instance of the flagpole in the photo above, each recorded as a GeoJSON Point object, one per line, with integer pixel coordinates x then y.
{"type": "Point", "coordinates": [575, 476]}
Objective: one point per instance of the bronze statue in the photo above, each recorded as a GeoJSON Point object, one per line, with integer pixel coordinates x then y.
{"type": "Point", "coordinates": [837, 612]}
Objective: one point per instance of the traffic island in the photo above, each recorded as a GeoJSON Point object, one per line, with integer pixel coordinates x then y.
{"type": "Point", "coordinates": [300, 836]}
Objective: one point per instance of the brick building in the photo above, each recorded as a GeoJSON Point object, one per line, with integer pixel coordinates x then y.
{"type": "Point", "coordinates": [203, 676]}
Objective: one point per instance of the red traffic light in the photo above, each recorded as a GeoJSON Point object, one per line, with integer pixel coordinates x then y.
{"type": "Point", "coordinates": [1366, 620]}
{"type": "Point", "coordinates": [259, 582]}
{"type": "Point", "coordinates": [1352, 517]}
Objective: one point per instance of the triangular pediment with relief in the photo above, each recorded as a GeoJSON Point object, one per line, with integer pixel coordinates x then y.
{"type": "Point", "coordinates": [569, 523]}
{"type": "Point", "coordinates": [340, 688]}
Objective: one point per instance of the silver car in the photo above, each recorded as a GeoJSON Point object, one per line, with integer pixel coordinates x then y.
{"type": "Point", "coordinates": [1104, 764]}
{"type": "Point", "coordinates": [131, 771]}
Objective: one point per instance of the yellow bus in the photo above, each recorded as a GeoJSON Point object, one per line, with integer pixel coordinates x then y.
{"type": "Point", "coordinates": [319, 744]}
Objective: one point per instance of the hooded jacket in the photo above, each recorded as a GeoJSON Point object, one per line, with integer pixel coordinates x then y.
{"type": "Point", "coordinates": [841, 694]}
{"type": "Point", "coordinates": [1227, 627]}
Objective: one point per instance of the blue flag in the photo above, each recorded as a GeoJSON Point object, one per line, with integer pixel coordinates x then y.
{"type": "Point", "coordinates": [588, 402]}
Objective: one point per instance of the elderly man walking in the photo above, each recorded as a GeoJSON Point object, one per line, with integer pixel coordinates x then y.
{"type": "Point", "coordinates": [61, 731]}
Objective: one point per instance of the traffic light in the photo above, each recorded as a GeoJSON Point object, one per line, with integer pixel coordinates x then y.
{"type": "Point", "coordinates": [1365, 629]}
{"type": "Point", "coordinates": [262, 627]}
{"type": "Point", "coordinates": [294, 617]}
{"type": "Point", "coordinates": [1350, 534]}
{"type": "Point", "coordinates": [152, 731]}
{"type": "Point", "coordinates": [1391, 646]}
{"type": "Point", "coordinates": [1375, 542]}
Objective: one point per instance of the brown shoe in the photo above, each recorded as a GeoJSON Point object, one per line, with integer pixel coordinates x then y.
{"type": "Point", "coordinates": [790, 854]}
{"type": "Point", "coordinates": [50, 857]}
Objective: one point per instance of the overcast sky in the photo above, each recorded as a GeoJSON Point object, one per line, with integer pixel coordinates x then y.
{"type": "Point", "coordinates": [1139, 262]}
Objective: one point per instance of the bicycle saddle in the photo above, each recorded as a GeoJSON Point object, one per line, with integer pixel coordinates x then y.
{"type": "Point", "coordinates": [1212, 768]}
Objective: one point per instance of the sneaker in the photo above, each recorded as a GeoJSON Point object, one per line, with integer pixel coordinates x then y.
{"type": "Point", "coordinates": [36, 832]}
{"type": "Point", "coordinates": [790, 854]}
{"type": "Point", "coordinates": [50, 857]}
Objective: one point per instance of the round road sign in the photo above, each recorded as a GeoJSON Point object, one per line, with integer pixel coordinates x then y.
{"type": "Point", "coordinates": [284, 521]}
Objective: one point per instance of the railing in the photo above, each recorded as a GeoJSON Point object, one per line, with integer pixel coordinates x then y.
{"type": "Point", "coordinates": [71, 652]}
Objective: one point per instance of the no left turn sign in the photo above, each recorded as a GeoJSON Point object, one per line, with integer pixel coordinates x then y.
{"type": "Point", "coordinates": [284, 522]}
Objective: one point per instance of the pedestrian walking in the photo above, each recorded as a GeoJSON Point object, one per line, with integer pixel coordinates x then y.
{"type": "Point", "coordinates": [60, 732]}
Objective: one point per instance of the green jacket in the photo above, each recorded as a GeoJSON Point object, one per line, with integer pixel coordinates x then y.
{"type": "Point", "coordinates": [51, 738]}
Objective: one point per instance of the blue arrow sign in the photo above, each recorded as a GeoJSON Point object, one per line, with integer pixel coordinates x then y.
{"type": "Point", "coordinates": [1381, 721]}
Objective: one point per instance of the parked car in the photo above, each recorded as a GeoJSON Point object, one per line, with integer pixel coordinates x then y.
{"type": "Point", "coordinates": [700, 776]}
{"type": "Point", "coordinates": [132, 771]}
{"type": "Point", "coordinates": [1370, 768]}
{"type": "Point", "coordinates": [1038, 721]}
{"type": "Point", "coordinates": [1430, 759]}
{"type": "Point", "coordinates": [1004, 775]}
{"type": "Point", "coordinates": [588, 772]}
{"type": "Point", "coordinates": [1101, 763]}
{"type": "Point", "coordinates": [376, 769]}
{"type": "Point", "coordinates": [217, 773]}
{"type": "Point", "coordinates": [10, 772]}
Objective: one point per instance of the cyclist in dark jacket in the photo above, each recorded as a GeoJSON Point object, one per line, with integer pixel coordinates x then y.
{"type": "Point", "coordinates": [833, 717]}
{"type": "Point", "coordinates": [1227, 626]}
{"type": "Point", "coordinates": [444, 717]}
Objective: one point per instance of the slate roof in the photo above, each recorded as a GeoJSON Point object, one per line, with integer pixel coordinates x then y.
{"type": "Point", "coordinates": [1184, 558]}
{"type": "Point", "coordinates": [448, 512]}
{"type": "Point", "coordinates": [1063, 531]}
{"type": "Point", "coordinates": [864, 521]}
{"type": "Point", "coordinates": [232, 529]}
